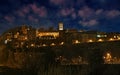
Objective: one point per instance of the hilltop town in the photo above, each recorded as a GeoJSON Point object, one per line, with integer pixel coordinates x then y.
{"type": "Point", "coordinates": [39, 37]}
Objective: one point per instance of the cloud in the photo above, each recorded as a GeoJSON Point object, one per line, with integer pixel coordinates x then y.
{"type": "Point", "coordinates": [10, 19]}
{"type": "Point", "coordinates": [80, 2]}
{"type": "Point", "coordinates": [63, 3]}
{"type": "Point", "coordinates": [85, 12]}
{"type": "Point", "coordinates": [31, 18]}
{"type": "Point", "coordinates": [57, 2]}
{"type": "Point", "coordinates": [89, 23]}
{"type": "Point", "coordinates": [112, 13]}
{"type": "Point", "coordinates": [68, 12]}
{"type": "Point", "coordinates": [23, 11]}
{"type": "Point", "coordinates": [99, 11]}
{"type": "Point", "coordinates": [91, 16]}
{"type": "Point", "coordinates": [20, 13]}
{"type": "Point", "coordinates": [74, 15]}
{"type": "Point", "coordinates": [108, 14]}
{"type": "Point", "coordinates": [41, 11]}
{"type": "Point", "coordinates": [26, 9]}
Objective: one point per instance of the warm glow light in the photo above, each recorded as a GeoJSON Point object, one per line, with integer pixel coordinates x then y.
{"type": "Point", "coordinates": [115, 36]}
{"type": "Point", "coordinates": [55, 34]}
{"type": "Point", "coordinates": [76, 42]}
{"type": "Point", "coordinates": [111, 39]}
{"type": "Point", "coordinates": [32, 45]}
{"type": "Point", "coordinates": [100, 40]}
{"type": "Point", "coordinates": [60, 26]}
{"type": "Point", "coordinates": [90, 40]}
{"type": "Point", "coordinates": [61, 43]}
{"type": "Point", "coordinates": [6, 41]}
{"type": "Point", "coordinates": [118, 37]}
{"type": "Point", "coordinates": [25, 38]}
{"type": "Point", "coordinates": [52, 44]}
{"type": "Point", "coordinates": [44, 45]}
{"type": "Point", "coordinates": [107, 57]}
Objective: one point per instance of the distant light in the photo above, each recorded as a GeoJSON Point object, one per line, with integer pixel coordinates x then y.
{"type": "Point", "coordinates": [61, 43]}
{"type": "Point", "coordinates": [27, 46]}
{"type": "Point", "coordinates": [105, 35]}
{"type": "Point", "coordinates": [25, 38]}
{"type": "Point", "coordinates": [52, 44]}
{"type": "Point", "coordinates": [118, 38]}
{"type": "Point", "coordinates": [100, 40]}
{"type": "Point", "coordinates": [115, 36]}
{"type": "Point", "coordinates": [6, 41]}
{"type": "Point", "coordinates": [90, 40]}
{"type": "Point", "coordinates": [101, 36]}
{"type": "Point", "coordinates": [76, 42]}
{"type": "Point", "coordinates": [44, 45]}
{"type": "Point", "coordinates": [32, 45]}
{"type": "Point", "coordinates": [111, 39]}
{"type": "Point", "coordinates": [107, 57]}
{"type": "Point", "coordinates": [98, 35]}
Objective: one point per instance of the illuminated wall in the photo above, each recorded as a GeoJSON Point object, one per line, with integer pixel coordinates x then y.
{"type": "Point", "coordinates": [60, 26]}
{"type": "Point", "coordinates": [45, 34]}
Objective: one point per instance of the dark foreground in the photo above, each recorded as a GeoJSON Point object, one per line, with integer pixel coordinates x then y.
{"type": "Point", "coordinates": [65, 70]}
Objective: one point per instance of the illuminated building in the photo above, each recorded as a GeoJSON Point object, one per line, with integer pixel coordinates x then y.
{"type": "Point", "coordinates": [107, 57]}
{"type": "Point", "coordinates": [47, 35]}
{"type": "Point", "coordinates": [60, 26]}
{"type": "Point", "coordinates": [24, 29]}
{"type": "Point", "coordinates": [16, 35]}
{"type": "Point", "coordinates": [51, 37]}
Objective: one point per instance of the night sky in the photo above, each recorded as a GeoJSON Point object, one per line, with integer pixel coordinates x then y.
{"type": "Point", "coordinates": [101, 15]}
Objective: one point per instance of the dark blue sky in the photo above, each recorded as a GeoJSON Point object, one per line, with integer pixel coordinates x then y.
{"type": "Point", "coordinates": [102, 15]}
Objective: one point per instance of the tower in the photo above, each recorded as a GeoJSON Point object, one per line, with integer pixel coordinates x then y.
{"type": "Point", "coordinates": [60, 26]}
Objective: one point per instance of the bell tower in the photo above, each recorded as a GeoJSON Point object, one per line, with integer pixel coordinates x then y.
{"type": "Point", "coordinates": [60, 26]}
